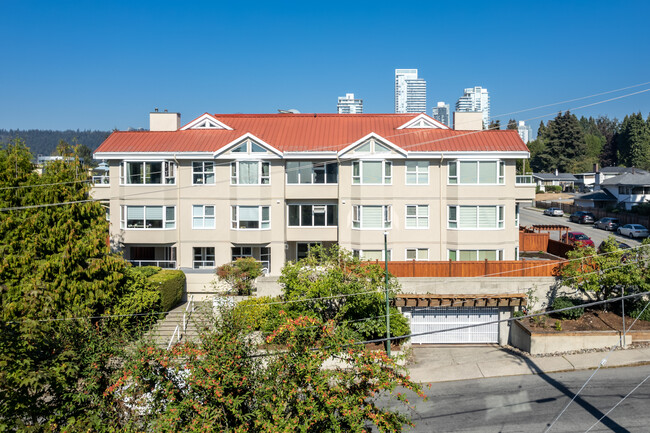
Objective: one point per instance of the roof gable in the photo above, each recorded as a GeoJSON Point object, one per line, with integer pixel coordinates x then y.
{"type": "Point", "coordinates": [206, 121]}
{"type": "Point", "coordinates": [372, 145]}
{"type": "Point", "coordinates": [423, 121]}
{"type": "Point", "coordinates": [248, 146]}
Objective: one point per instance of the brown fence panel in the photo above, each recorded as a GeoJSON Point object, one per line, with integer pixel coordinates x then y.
{"type": "Point", "coordinates": [558, 248]}
{"type": "Point", "coordinates": [505, 268]}
{"type": "Point", "coordinates": [533, 241]}
{"type": "Point", "coordinates": [624, 217]}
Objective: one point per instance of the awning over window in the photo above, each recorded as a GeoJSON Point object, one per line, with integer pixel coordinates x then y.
{"type": "Point", "coordinates": [430, 300]}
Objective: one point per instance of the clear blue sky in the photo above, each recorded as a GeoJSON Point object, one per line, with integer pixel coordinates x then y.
{"type": "Point", "coordinates": [104, 65]}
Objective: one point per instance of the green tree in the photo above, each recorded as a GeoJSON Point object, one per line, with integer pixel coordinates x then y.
{"type": "Point", "coordinates": [495, 125]}
{"type": "Point", "coordinates": [512, 124]}
{"type": "Point", "coordinates": [343, 289]}
{"type": "Point", "coordinates": [608, 129]}
{"type": "Point", "coordinates": [55, 266]}
{"type": "Point", "coordinates": [610, 272]}
{"type": "Point", "coordinates": [223, 382]}
{"type": "Point", "coordinates": [633, 142]}
{"type": "Point", "coordinates": [565, 143]}
{"type": "Point", "coordinates": [240, 274]}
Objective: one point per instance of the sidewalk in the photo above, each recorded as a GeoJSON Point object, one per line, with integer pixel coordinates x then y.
{"type": "Point", "coordinates": [443, 363]}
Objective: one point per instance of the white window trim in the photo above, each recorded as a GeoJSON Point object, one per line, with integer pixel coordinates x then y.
{"type": "Point", "coordinates": [123, 218]}
{"type": "Point", "coordinates": [384, 178]}
{"type": "Point", "coordinates": [500, 163]}
{"type": "Point", "coordinates": [387, 214]}
{"type": "Point", "coordinates": [406, 250]}
{"type": "Point", "coordinates": [383, 258]}
{"type": "Point", "coordinates": [169, 170]}
{"type": "Point", "coordinates": [416, 174]}
{"type": "Point", "coordinates": [259, 172]}
{"type": "Point", "coordinates": [259, 215]}
{"type": "Point", "coordinates": [214, 216]}
{"type": "Point", "coordinates": [500, 212]}
{"type": "Point", "coordinates": [312, 226]}
{"type": "Point", "coordinates": [417, 217]}
{"type": "Point", "coordinates": [203, 173]}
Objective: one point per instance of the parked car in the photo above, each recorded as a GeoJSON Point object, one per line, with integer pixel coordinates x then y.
{"type": "Point", "coordinates": [582, 217]}
{"type": "Point", "coordinates": [620, 245]}
{"type": "Point", "coordinates": [577, 238]}
{"type": "Point", "coordinates": [554, 211]}
{"type": "Point", "coordinates": [609, 224]}
{"type": "Point", "coordinates": [633, 231]}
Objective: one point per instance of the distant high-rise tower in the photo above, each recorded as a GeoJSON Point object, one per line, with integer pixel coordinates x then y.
{"type": "Point", "coordinates": [475, 99]}
{"type": "Point", "coordinates": [525, 131]}
{"type": "Point", "coordinates": [410, 92]}
{"type": "Point", "coordinates": [348, 105]}
{"type": "Point", "coordinates": [441, 113]}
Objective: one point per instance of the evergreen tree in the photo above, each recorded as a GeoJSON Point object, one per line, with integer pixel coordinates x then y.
{"type": "Point", "coordinates": [608, 128]}
{"type": "Point", "coordinates": [512, 124]}
{"type": "Point", "coordinates": [633, 142]}
{"type": "Point", "coordinates": [495, 125]}
{"type": "Point", "coordinates": [565, 143]}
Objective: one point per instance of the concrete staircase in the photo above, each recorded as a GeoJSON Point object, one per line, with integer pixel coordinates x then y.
{"type": "Point", "coordinates": [197, 314]}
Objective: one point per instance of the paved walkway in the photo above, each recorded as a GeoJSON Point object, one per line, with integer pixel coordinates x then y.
{"type": "Point", "coordinates": [445, 363]}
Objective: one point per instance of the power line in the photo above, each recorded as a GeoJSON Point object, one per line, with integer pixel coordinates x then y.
{"type": "Point", "coordinates": [616, 405]}
{"type": "Point", "coordinates": [602, 363]}
{"type": "Point", "coordinates": [45, 184]}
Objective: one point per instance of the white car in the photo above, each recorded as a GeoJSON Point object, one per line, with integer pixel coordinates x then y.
{"type": "Point", "coordinates": [554, 211]}
{"type": "Point", "coordinates": [633, 231]}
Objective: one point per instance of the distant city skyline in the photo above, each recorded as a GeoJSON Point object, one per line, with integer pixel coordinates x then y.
{"type": "Point", "coordinates": [99, 65]}
{"type": "Point", "coordinates": [410, 92]}
{"type": "Point", "coordinates": [348, 104]}
{"type": "Point", "coordinates": [475, 99]}
{"type": "Point", "coordinates": [442, 113]}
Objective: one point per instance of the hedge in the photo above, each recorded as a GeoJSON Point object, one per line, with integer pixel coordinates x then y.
{"type": "Point", "coordinates": [170, 284]}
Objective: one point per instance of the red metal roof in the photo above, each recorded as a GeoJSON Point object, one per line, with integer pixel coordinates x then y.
{"type": "Point", "coordinates": [313, 132]}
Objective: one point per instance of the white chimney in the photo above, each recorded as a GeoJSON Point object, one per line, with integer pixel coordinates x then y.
{"type": "Point", "coordinates": [164, 121]}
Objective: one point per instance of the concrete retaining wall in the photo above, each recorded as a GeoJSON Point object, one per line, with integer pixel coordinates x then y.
{"type": "Point", "coordinates": [537, 343]}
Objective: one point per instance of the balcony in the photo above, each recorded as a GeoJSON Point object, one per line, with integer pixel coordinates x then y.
{"type": "Point", "coordinates": [101, 180]}
{"type": "Point", "coordinates": [165, 264]}
{"type": "Point", "coordinates": [526, 180]}
{"type": "Point", "coordinates": [203, 264]}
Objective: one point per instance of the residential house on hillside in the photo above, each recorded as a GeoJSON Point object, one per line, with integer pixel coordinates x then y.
{"type": "Point", "coordinates": [629, 189]}
{"type": "Point", "coordinates": [609, 172]}
{"type": "Point", "coordinates": [566, 180]}
{"type": "Point", "coordinates": [271, 186]}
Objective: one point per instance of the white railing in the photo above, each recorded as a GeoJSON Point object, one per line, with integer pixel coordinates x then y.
{"type": "Point", "coordinates": [101, 180]}
{"type": "Point", "coordinates": [524, 179]}
{"type": "Point", "coordinates": [165, 264]}
{"type": "Point", "coordinates": [203, 264]}
{"type": "Point", "coordinates": [182, 329]}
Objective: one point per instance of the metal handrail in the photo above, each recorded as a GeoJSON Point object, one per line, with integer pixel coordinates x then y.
{"type": "Point", "coordinates": [186, 319]}
{"type": "Point", "coordinates": [165, 264]}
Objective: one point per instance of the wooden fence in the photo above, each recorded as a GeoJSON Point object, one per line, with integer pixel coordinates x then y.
{"type": "Point", "coordinates": [623, 217]}
{"type": "Point", "coordinates": [504, 268]}
{"type": "Point", "coordinates": [533, 241]}
{"type": "Point", "coordinates": [558, 248]}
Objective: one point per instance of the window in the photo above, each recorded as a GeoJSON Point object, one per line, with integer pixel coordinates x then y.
{"type": "Point", "coordinates": [476, 172]}
{"type": "Point", "coordinates": [475, 217]}
{"type": "Point", "coordinates": [148, 217]}
{"type": "Point", "coordinates": [302, 249]}
{"type": "Point", "coordinates": [308, 215]}
{"type": "Point", "coordinates": [249, 173]}
{"type": "Point", "coordinates": [203, 257]}
{"type": "Point", "coordinates": [417, 172]}
{"type": "Point", "coordinates": [262, 254]}
{"type": "Point", "coordinates": [248, 146]}
{"type": "Point", "coordinates": [372, 217]}
{"type": "Point", "coordinates": [306, 172]}
{"type": "Point", "coordinates": [517, 215]}
{"type": "Point", "coordinates": [148, 173]}
{"type": "Point", "coordinates": [371, 255]}
{"type": "Point", "coordinates": [417, 254]}
{"type": "Point", "coordinates": [203, 173]}
{"type": "Point", "coordinates": [203, 217]}
{"type": "Point", "coordinates": [474, 255]}
{"type": "Point", "coordinates": [372, 172]}
{"type": "Point", "coordinates": [417, 216]}
{"type": "Point", "coordinates": [251, 217]}
{"type": "Point", "coordinates": [241, 252]}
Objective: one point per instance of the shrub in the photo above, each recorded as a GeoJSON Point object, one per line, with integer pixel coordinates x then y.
{"type": "Point", "coordinates": [553, 188]}
{"type": "Point", "coordinates": [170, 284]}
{"type": "Point", "coordinates": [565, 302]}
{"type": "Point", "coordinates": [139, 296]}
{"type": "Point", "coordinates": [240, 274]}
{"type": "Point", "coordinates": [636, 307]}
{"type": "Point", "coordinates": [253, 313]}
{"type": "Point", "coordinates": [145, 271]}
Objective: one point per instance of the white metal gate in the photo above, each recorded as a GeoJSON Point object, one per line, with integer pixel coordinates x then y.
{"type": "Point", "coordinates": [426, 319]}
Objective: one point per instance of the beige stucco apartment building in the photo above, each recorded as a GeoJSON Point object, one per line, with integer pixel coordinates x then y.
{"type": "Point", "coordinates": [272, 185]}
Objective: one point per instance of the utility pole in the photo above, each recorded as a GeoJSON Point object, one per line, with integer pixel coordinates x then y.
{"type": "Point", "coordinates": [386, 287]}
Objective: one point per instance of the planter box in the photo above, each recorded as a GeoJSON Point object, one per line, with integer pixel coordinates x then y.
{"type": "Point", "coordinates": [536, 343]}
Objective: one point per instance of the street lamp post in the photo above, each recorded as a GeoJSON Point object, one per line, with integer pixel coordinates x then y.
{"type": "Point", "coordinates": [386, 287]}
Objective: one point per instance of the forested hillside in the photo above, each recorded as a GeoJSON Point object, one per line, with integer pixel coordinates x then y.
{"type": "Point", "coordinates": [44, 141]}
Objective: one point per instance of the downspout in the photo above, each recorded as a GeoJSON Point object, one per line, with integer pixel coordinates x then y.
{"type": "Point", "coordinates": [443, 208]}
{"type": "Point", "coordinates": [178, 211]}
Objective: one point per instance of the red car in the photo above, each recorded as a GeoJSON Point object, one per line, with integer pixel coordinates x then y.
{"type": "Point", "coordinates": [577, 238]}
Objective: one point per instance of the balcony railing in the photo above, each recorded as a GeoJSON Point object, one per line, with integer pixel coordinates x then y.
{"type": "Point", "coordinates": [165, 264]}
{"type": "Point", "coordinates": [101, 180]}
{"type": "Point", "coordinates": [203, 264]}
{"type": "Point", "coordinates": [524, 179]}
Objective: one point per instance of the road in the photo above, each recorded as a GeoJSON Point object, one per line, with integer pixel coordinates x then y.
{"type": "Point", "coordinates": [528, 217]}
{"type": "Point", "coordinates": [531, 403]}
